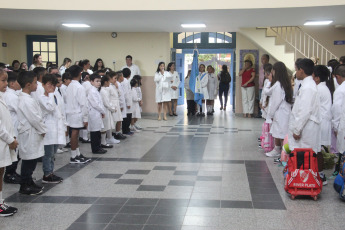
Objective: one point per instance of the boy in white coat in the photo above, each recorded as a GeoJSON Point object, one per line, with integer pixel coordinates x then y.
{"type": "Point", "coordinates": [55, 122]}
{"type": "Point", "coordinates": [115, 101]}
{"type": "Point", "coordinates": [76, 113]}
{"type": "Point", "coordinates": [85, 78]}
{"type": "Point", "coordinates": [31, 131]}
{"type": "Point", "coordinates": [11, 99]}
{"type": "Point", "coordinates": [40, 72]}
{"type": "Point", "coordinates": [128, 97]}
{"type": "Point", "coordinates": [201, 87]}
{"type": "Point", "coordinates": [304, 124]}
{"type": "Point", "coordinates": [96, 113]}
{"type": "Point", "coordinates": [123, 108]}
{"type": "Point", "coordinates": [8, 143]}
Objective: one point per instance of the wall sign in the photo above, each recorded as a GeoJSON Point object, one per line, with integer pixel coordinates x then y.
{"type": "Point", "coordinates": [339, 42]}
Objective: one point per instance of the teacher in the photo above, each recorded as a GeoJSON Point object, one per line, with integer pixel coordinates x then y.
{"type": "Point", "coordinates": [248, 88]}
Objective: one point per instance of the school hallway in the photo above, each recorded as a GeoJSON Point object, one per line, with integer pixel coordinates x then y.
{"type": "Point", "coordinates": [187, 173]}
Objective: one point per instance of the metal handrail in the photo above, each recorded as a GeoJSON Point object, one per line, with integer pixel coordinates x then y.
{"type": "Point", "coordinates": [303, 43]}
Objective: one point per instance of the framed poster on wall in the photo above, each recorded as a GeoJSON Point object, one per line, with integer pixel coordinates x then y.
{"type": "Point", "coordinates": [252, 55]}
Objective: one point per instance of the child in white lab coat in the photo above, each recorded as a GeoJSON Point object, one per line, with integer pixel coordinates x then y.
{"type": "Point", "coordinates": [136, 114]}
{"type": "Point", "coordinates": [85, 79]}
{"type": "Point", "coordinates": [11, 99]}
{"type": "Point", "coordinates": [108, 121]}
{"type": "Point", "coordinates": [40, 72]}
{"type": "Point", "coordinates": [304, 124]}
{"type": "Point", "coordinates": [76, 113]}
{"type": "Point", "coordinates": [201, 88]}
{"type": "Point", "coordinates": [140, 95]}
{"type": "Point", "coordinates": [96, 113]}
{"type": "Point", "coordinates": [281, 96]}
{"type": "Point", "coordinates": [123, 108]}
{"type": "Point", "coordinates": [267, 84]}
{"type": "Point", "coordinates": [66, 80]}
{"type": "Point", "coordinates": [126, 86]}
{"type": "Point", "coordinates": [31, 131]}
{"type": "Point", "coordinates": [174, 88]}
{"type": "Point", "coordinates": [54, 120]}
{"type": "Point", "coordinates": [8, 143]}
{"type": "Point", "coordinates": [212, 88]}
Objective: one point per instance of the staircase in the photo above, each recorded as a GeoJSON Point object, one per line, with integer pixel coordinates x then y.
{"type": "Point", "coordinates": [287, 43]}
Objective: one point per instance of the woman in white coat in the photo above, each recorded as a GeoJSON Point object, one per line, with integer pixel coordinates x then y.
{"type": "Point", "coordinates": [163, 95]}
{"type": "Point", "coordinates": [212, 88]}
{"type": "Point", "coordinates": [201, 88]}
{"type": "Point", "coordinates": [281, 96]}
{"type": "Point", "coordinates": [174, 88]}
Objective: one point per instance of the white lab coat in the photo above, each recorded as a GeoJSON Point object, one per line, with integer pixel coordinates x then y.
{"type": "Point", "coordinates": [295, 87]}
{"type": "Point", "coordinates": [7, 135]}
{"type": "Point", "coordinates": [341, 130]}
{"type": "Point", "coordinates": [127, 94]}
{"type": "Point", "coordinates": [61, 103]}
{"type": "Point", "coordinates": [134, 70]}
{"type": "Point", "coordinates": [163, 86]}
{"type": "Point", "coordinates": [30, 128]}
{"type": "Point", "coordinates": [11, 99]}
{"type": "Point", "coordinates": [54, 120]}
{"type": "Point", "coordinates": [279, 111]}
{"type": "Point", "coordinates": [212, 86]}
{"type": "Point", "coordinates": [305, 117]}
{"type": "Point", "coordinates": [96, 109]}
{"type": "Point", "coordinates": [338, 100]}
{"type": "Point", "coordinates": [115, 101]}
{"type": "Point", "coordinates": [108, 120]}
{"type": "Point", "coordinates": [122, 101]}
{"type": "Point", "coordinates": [266, 87]}
{"type": "Point", "coordinates": [175, 82]}
{"type": "Point", "coordinates": [87, 85]}
{"type": "Point", "coordinates": [76, 105]}
{"type": "Point", "coordinates": [201, 84]}
{"type": "Point", "coordinates": [62, 70]}
{"type": "Point", "coordinates": [39, 91]}
{"type": "Point", "coordinates": [325, 112]}
{"type": "Point", "coordinates": [63, 89]}
{"type": "Point", "coordinates": [140, 95]}
{"type": "Point", "coordinates": [135, 103]}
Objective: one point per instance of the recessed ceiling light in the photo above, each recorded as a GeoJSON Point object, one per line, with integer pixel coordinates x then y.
{"type": "Point", "coordinates": [193, 25]}
{"type": "Point", "coordinates": [317, 23]}
{"type": "Point", "coordinates": [75, 25]}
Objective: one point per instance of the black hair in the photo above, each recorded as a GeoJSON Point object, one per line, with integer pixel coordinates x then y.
{"type": "Point", "coordinates": [84, 62]}
{"type": "Point", "coordinates": [111, 74]}
{"type": "Point", "coordinates": [138, 78]}
{"type": "Point", "coordinates": [21, 65]}
{"type": "Point", "coordinates": [224, 72]}
{"type": "Point", "coordinates": [267, 56]}
{"type": "Point", "coordinates": [65, 61]}
{"type": "Point", "coordinates": [95, 67]}
{"type": "Point", "coordinates": [169, 65]}
{"type": "Point", "coordinates": [307, 65]}
{"type": "Point", "coordinates": [333, 63]}
{"type": "Point", "coordinates": [249, 61]}
{"type": "Point", "coordinates": [322, 72]}
{"type": "Point", "coordinates": [133, 82]}
{"type": "Point", "coordinates": [51, 67]}
{"type": "Point", "coordinates": [39, 71]}
{"type": "Point", "coordinates": [94, 76]}
{"type": "Point", "coordinates": [12, 77]}
{"type": "Point", "coordinates": [50, 78]}
{"type": "Point", "coordinates": [126, 72]}
{"type": "Point", "coordinates": [340, 70]}
{"type": "Point", "coordinates": [202, 65]}
{"type": "Point", "coordinates": [160, 63]}
{"type": "Point", "coordinates": [2, 65]}
{"type": "Point", "coordinates": [26, 77]}
{"type": "Point", "coordinates": [14, 62]}
{"type": "Point", "coordinates": [57, 75]}
{"type": "Point", "coordinates": [35, 58]}
{"type": "Point", "coordinates": [282, 76]}
{"type": "Point", "coordinates": [268, 68]}
{"type": "Point", "coordinates": [104, 79]}
{"type": "Point", "coordinates": [118, 74]}
{"type": "Point", "coordinates": [66, 76]}
{"type": "Point", "coordinates": [83, 75]}
{"type": "Point", "coordinates": [129, 56]}
{"type": "Point", "coordinates": [75, 71]}
{"type": "Point", "coordinates": [342, 59]}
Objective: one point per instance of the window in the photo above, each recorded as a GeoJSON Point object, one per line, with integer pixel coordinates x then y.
{"type": "Point", "coordinates": [44, 45]}
{"type": "Point", "coordinates": [219, 37]}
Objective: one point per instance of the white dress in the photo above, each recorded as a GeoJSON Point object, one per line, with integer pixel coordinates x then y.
{"type": "Point", "coordinates": [115, 101]}
{"type": "Point", "coordinates": [201, 85]}
{"type": "Point", "coordinates": [135, 104]}
{"type": "Point", "coordinates": [7, 135]}
{"type": "Point", "coordinates": [122, 101]}
{"type": "Point", "coordinates": [96, 109]}
{"type": "Point", "coordinates": [305, 117]}
{"type": "Point", "coordinates": [279, 110]}
{"type": "Point", "coordinates": [326, 113]}
{"type": "Point", "coordinates": [162, 86]}
{"type": "Point", "coordinates": [108, 120]}
{"type": "Point", "coordinates": [212, 86]}
{"type": "Point", "coordinates": [176, 82]}
{"type": "Point", "coordinates": [266, 87]}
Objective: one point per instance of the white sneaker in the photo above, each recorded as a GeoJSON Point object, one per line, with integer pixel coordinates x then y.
{"type": "Point", "coordinates": [112, 141]}
{"type": "Point", "coordinates": [276, 152]}
{"type": "Point", "coordinates": [64, 150]}
{"type": "Point", "coordinates": [59, 151]}
{"type": "Point", "coordinates": [137, 126]}
{"type": "Point", "coordinates": [133, 129]}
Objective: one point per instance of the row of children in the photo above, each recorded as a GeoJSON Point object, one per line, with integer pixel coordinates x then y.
{"type": "Point", "coordinates": [310, 113]}
{"type": "Point", "coordinates": [37, 110]}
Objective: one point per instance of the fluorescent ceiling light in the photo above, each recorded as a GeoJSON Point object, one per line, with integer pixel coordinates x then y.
{"type": "Point", "coordinates": [317, 23]}
{"type": "Point", "coordinates": [75, 25]}
{"type": "Point", "coordinates": [193, 25]}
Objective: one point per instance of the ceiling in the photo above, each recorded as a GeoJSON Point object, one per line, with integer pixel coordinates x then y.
{"type": "Point", "coordinates": [166, 21]}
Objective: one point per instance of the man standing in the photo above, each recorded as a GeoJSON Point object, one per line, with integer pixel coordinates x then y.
{"type": "Point", "coordinates": [265, 58]}
{"type": "Point", "coordinates": [134, 68]}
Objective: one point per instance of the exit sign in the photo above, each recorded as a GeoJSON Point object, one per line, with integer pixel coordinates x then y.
{"type": "Point", "coordinates": [339, 42]}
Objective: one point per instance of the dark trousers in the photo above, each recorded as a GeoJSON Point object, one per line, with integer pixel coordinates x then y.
{"type": "Point", "coordinates": [95, 141]}
{"type": "Point", "coordinates": [28, 167]}
{"type": "Point", "coordinates": [126, 123]}
{"type": "Point", "coordinates": [191, 107]}
{"type": "Point", "coordinates": [223, 89]}
{"type": "Point", "coordinates": [11, 169]}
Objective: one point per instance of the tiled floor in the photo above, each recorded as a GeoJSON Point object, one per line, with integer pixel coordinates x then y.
{"type": "Point", "coordinates": [182, 174]}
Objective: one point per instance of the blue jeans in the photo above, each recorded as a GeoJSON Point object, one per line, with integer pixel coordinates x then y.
{"type": "Point", "coordinates": [48, 159]}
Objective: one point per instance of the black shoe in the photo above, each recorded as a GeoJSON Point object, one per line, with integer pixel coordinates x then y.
{"type": "Point", "coordinates": [175, 114]}
{"type": "Point", "coordinates": [51, 179]}
{"type": "Point", "coordinates": [36, 185]}
{"type": "Point", "coordinates": [12, 178]}
{"type": "Point", "coordinates": [6, 210]}
{"type": "Point", "coordinates": [209, 113]}
{"type": "Point", "coordinates": [81, 139]}
{"type": "Point", "coordinates": [76, 160]}
{"type": "Point", "coordinates": [324, 179]}
{"type": "Point", "coordinates": [202, 115]}
{"type": "Point", "coordinates": [85, 141]}
{"type": "Point", "coordinates": [10, 208]}
{"type": "Point", "coordinates": [258, 116]}
{"type": "Point", "coordinates": [83, 158]}
{"type": "Point", "coordinates": [107, 146]}
{"type": "Point", "coordinates": [29, 189]}
{"type": "Point", "coordinates": [99, 151]}
{"type": "Point", "coordinates": [68, 146]}
{"type": "Point", "coordinates": [119, 136]}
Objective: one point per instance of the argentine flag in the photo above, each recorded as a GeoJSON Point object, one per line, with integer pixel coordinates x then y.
{"type": "Point", "coordinates": [192, 81]}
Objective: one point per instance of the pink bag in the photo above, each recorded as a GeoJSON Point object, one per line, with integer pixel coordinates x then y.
{"type": "Point", "coordinates": [267, 141]}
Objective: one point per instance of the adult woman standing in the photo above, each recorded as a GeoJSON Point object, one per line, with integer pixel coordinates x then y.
{"type": "Point", "coordinates": [212, 88]}
{"type": "Point", "coordinates": [175, 82]}
{"type": "Point", "coordinates": [248, 88]}
{"type": "Point", "coordinates": [66, 64]}
{"type": "Point", "coordinates": [224, 81]}
{"type": "Point", "coordinates": [99, 65]}
{"type": "Point", "coordinates": [163, 95]}
{"type": "Point", "coordinates": [37, 62]}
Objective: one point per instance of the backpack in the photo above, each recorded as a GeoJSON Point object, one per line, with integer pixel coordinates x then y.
{"type": "Point", "coordinates": [225, 78]}
{"type": "Point", "coordinates": [339, 180]}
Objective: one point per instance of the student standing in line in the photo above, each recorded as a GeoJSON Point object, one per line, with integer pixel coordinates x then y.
{"type": "Point", "coordinates": [128, 98]}
{"type": "Point", "coordinates": [174, 90]}
{"type": "Point", "coordinates": [136, 114]}
{"type": "Point", "coordinates": [163, 95]}
{"type": "Point", "coordinates": [123, 108]}
{"type": "Point", "coordinates": [31, 131]}
{"type": "Point", "coordinates": [212, 88]}
{"type": "Point", "coordinates": [65, 65]}
{"type": "Point", "coordinates": [265, 58]}
{"type": "Point", "coordinates": [279, 110]}
{"type": "Point", "coordinates": [140, 95]}
{"type": "Point", "coordinates": [39, 72]}
{"type": "Point", "coordinates": [8, 143]}
{"type": "Point", "coordinates": [85, 82]}
{"type": "Point", "coordinates": [109, 108]}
